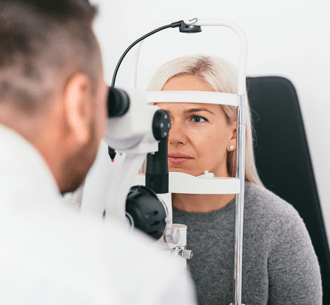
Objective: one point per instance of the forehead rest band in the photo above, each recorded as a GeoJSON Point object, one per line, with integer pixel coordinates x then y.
{"type": "Point", "coordinates": [203, 97]}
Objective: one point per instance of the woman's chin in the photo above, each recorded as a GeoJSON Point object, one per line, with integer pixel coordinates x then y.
{"type": "Point", "coordinates": [192, 172]}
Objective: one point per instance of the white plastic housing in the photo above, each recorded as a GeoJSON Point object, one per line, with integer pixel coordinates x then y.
{"type": "Point", "coordinates": [126, 132]}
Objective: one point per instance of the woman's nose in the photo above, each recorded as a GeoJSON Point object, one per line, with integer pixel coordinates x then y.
{"type": "Point", "coordinates": [177, 135]}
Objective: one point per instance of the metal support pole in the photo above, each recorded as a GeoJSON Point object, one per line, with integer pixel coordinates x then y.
{"type": "Point", "coordinates": [239, 202]}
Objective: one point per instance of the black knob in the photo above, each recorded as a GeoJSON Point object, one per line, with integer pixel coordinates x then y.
{"type": "Point", "coordinates": [146, 210]}
{"type": "Point", "coordinates": [161, 125]}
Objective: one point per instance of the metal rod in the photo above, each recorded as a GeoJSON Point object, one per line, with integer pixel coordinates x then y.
{"type": "Point", "coordinates": [239, 202]}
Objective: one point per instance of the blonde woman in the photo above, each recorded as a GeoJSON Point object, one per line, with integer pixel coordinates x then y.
{"type": "Point", "coordinates": [279, 262]}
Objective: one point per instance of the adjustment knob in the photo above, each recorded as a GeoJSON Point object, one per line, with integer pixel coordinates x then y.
{"type": "Point", "coordinates": [161, 125]}
{"type": "Point", "coordinates": [172, 235]}
{"type": "Point", "coordinates": [187, 254]}
{"type": "Point", "coordinates": [146, 211]}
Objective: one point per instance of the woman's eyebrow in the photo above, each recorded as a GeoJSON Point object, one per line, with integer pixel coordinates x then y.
{"type": "Point", "coordinates": [197, 110]}
{"type": "Point", "coordinates": [191, 110]}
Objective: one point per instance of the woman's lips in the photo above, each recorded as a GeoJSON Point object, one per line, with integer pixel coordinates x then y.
{"type": "Point", "coordinates": [177, 158]}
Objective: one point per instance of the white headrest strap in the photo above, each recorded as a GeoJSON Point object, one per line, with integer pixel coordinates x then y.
{"type": "Point", "coordinates": [204, 97]}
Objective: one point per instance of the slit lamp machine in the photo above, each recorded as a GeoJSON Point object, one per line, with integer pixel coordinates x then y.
{"type": "Point", "coordinates": [137, 130]}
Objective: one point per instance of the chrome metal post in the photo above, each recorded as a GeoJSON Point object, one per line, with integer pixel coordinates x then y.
{"type": "Point", "coordinates": [239, 202]}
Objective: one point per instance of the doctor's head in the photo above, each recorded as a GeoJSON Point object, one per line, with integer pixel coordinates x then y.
{"type": "Point", "coordinates": [203, 136]}
{"type": "Point", "coordinates": [52, 90]}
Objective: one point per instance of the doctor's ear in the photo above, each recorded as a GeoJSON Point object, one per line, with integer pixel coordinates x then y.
{"type": "Point", "coordinates": [77, 107]}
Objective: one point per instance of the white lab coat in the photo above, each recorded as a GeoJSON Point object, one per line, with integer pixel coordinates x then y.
{"type": "Point", "coordinates": [49, 254]}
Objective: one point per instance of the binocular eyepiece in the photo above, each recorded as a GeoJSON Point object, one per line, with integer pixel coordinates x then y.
{"type": "Point", "coordinates": [118, 102]}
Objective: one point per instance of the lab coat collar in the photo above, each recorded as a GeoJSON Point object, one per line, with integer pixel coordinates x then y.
{"type": "Point", "coordinates": [24, 174]}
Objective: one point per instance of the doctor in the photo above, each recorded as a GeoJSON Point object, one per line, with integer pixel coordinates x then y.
{"type": "Point", "coordinates": [52, 118]}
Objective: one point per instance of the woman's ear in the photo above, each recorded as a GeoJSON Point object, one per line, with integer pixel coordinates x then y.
{"type": "Point", "coordinates": [77, 107]}
{"type": "Point", "coordinates": [232, 144]}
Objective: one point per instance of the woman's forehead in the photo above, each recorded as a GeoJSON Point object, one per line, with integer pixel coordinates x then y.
{"type": "Point", "coordinates": [187, 83]}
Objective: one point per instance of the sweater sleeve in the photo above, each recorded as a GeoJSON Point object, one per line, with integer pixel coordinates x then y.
{"type": "Point", "coordinates": [294, 272]}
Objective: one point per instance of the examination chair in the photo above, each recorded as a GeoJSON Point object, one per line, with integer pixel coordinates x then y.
{"type": "Point", "coordinates": [283, 160]}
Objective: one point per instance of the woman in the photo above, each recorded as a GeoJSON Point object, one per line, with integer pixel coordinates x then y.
{"type": "Point", "coordinates": [279, 262]}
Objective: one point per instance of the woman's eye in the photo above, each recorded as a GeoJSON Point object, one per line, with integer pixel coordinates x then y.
{"type": "Point", "coordinates": [198, 119]}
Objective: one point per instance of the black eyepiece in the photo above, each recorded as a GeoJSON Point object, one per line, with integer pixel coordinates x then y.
{"type": "Point", "coordinates": [118, 102]}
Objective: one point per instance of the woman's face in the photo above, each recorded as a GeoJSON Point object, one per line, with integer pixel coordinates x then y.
{"type": "Point", "coordinates": [200, 136]}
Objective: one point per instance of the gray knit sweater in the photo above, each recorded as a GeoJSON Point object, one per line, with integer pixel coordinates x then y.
{"type": "Point", "coordinates": [279, 262]}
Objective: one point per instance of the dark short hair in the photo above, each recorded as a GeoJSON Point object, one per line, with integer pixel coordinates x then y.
{"type": "Point", "coordinates": [39, 39]}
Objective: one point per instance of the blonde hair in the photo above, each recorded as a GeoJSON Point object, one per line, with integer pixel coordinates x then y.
{"type": "Point", "coordinates": [222, 76]}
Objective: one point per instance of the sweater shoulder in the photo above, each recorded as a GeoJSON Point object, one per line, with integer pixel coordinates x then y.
{"type": "Point", "coordinates": [262, 204]}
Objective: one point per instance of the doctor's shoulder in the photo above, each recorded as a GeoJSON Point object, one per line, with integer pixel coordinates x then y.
{"type": "Point", "coordinates": [55, 253]}
{"type": "Point", "coordinates": [141, 272]}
